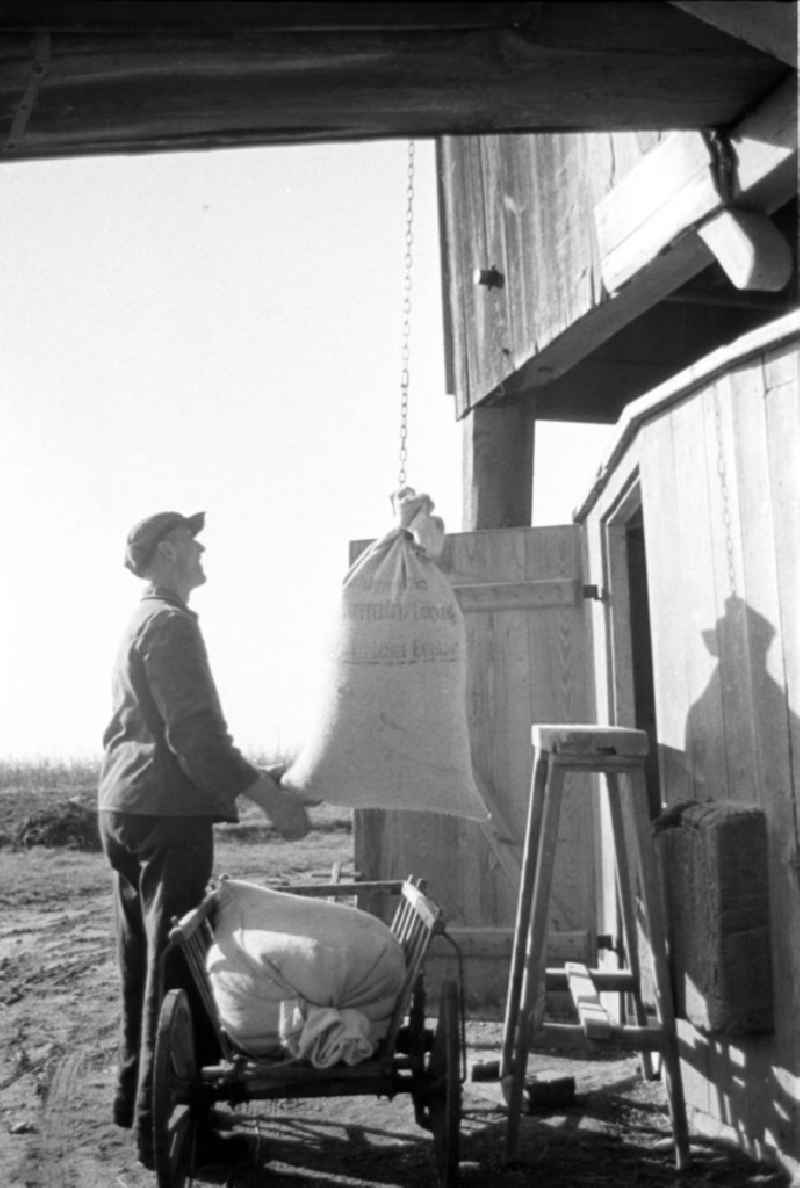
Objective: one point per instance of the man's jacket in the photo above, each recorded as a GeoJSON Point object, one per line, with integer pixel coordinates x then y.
{"type": "Point", "coordinates": [167, 747]}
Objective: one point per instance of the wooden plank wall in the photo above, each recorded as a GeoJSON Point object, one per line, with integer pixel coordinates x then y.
{"type": "Point", "coordinates": [733, 726]}
{"type": "Point", "coordinates": [720, 486]}
{"type": "Point", "coordinates": [725, 640]}
{"type": "Point", "coordinates": [524, 665]}
{"type": "Point", "coordinates": [523, 204]}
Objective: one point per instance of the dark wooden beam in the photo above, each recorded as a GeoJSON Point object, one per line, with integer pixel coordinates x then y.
{"type": "Point", "coordinates": [769, 25]}
{"type": "Point", "coordinates": [659, 343]}
{"type": "Point", "coordinates": [769, 303]}
{"type": "Point", "coordinates": [202, 16]}
{"type": "Point", "coordinates": [331, 72]}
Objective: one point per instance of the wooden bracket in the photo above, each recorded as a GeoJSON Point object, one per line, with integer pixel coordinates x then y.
{"type": "Point", "coordinates": [688, 181]}
{"type": "Point", "coordinates": [750, 249]}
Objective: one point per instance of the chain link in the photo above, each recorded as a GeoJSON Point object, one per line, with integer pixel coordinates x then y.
{"type": "Point", "coordinates": [408, 260]}
{"type": "Point", "coordinates": [726, 504]}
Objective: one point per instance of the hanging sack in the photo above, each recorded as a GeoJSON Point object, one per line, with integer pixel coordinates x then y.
{"type": "Point", "coordinates": [392, 731]}
{"type": "Point", "coordinates": [318, 979]}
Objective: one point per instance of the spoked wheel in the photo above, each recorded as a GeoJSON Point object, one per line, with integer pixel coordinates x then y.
{"type": "Point", "coordinates": [416, 1041]}
{"type": "Point", "coordinates": [438, 1106]}
{"type": "Point", "coordinates": [174, 1079]}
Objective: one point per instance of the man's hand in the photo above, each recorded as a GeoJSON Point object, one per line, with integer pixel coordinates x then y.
{"type": "Point", "coordinates": [278, 771]}
{"type": "Point", "coordinates": [289, 816]}
{"type": "Point", "coordinates": [285, 810]}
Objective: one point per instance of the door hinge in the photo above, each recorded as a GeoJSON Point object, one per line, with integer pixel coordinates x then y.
{"type": "Point", "coordinates": [595, 592]}
{"type": "Point", "coordinates": [609, 943]}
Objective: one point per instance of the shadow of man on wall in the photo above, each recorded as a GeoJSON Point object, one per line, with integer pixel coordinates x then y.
{"type": "Point", "coordinates": [741, 708]}
{"type": "Point", "coordinates": [729, 844]}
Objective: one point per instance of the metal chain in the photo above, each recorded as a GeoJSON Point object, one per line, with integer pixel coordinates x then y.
{"type": "Point", "coordinates": [408, 260]}
{"type": "Point", "coordinates": [726, 506]}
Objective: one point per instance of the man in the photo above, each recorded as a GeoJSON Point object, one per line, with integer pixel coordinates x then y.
{"type": "Point", "coordinates": [170, 769]}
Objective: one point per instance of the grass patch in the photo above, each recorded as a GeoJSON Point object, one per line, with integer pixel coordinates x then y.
{"type": "Point", "coordinates": [65, 774]}
{"type": "Point", "coordinates": [41, 775]}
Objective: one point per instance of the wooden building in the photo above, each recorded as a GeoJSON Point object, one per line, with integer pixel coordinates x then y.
{"type": "Point", "coordinates": [697, 519]}
{"type": "Point", "coordinates": [618, 197]}
{"type": "Point", "coordinates": [649, 279]}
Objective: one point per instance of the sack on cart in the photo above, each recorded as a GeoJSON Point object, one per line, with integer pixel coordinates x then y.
{"type": "Point", "coordinates": [316, 979]}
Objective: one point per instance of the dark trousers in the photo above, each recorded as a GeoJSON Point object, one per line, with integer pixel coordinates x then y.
{"type": "Point", "coordinates": [161, 867]}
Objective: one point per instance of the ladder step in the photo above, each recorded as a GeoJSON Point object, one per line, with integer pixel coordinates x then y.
{"type": "Point", "coordinates": [618, 763]}
{"type": "Point", "coordinates": [604, 979]}
{"type": "Point", "coordinates": [591, 1012]}
{"type": "Point", "coordinates": [573, 1036]}
{"type": "Point", "coordinates": [595, 1021]}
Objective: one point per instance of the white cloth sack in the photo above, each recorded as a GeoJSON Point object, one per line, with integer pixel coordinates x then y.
{"type": "Point", "coordinates": [277, 960]}
{"type": "Point", "coordinates": [325, 1035]}
{"type": "Point", "coordinates": [392, 730]}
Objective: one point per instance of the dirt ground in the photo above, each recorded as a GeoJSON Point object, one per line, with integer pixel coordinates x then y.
{"type": "Point", "coordinates": [57, 1047]}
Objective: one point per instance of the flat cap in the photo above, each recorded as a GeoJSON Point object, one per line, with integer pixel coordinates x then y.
{"type": "Point", "coordinates": [144, 536]}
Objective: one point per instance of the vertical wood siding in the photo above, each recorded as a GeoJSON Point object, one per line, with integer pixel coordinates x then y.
{"type": "Point", "coordinates": [731, 580]}
{"type": "Point", "coordinates": [523, 204]}
{"type": "Point", "coordinates": [719, 474]}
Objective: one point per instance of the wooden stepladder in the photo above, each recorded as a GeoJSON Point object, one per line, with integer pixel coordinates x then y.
{"type": "Point", "coordinates": [614, 752]}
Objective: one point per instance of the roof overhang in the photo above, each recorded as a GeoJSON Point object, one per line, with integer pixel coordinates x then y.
{"type": "Point", "coordinates": [90, 78]}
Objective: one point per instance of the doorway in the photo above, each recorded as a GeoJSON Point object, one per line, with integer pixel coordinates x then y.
{"type": "Point", "coordinates": [642, 653]}
{"type": "Point", "coordinates": [630, 654]}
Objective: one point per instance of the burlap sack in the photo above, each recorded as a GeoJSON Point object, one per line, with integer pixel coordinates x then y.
{"type": "Point", "coordinates": [392, 732]}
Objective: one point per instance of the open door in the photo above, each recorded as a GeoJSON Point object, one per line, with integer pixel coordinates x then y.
{"type": "Point", "coordinates": [632, 694]}
{"type": "Point", "coordinates": [644, 701]}
{"type": "Point", "coordinates": [522, 596]}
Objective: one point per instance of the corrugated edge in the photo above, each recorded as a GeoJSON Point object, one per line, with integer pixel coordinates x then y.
{"type": "Point", "coordinates": [678, 387]}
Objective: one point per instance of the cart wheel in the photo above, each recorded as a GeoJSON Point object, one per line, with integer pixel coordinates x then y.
{"type": "Point", "coordinates": [174, 1077]}
{"type": "Point", "coordinates": [444, 1101]}
{"type": "Point", "coordinates": [417, 1041]}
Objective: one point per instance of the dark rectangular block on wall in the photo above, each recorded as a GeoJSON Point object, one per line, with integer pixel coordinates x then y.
{"type": "Point", "coordinates": [715, 860]}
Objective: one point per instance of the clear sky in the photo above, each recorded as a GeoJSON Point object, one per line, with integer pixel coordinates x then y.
{"type": "Point", "coordinates": [216, 331]}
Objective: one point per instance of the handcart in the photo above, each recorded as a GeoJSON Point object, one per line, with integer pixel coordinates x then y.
{"type": "Point", "coordinates": [196, 1064]}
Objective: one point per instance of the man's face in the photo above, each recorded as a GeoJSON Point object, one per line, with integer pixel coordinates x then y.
{"type": "Point", "coordinates": [187, 558]}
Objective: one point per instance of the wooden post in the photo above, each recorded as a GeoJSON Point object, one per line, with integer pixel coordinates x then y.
{"type": "Point", "coordinates": [497, 483]}
{"type": "Point", "coordinates": [497, 467]}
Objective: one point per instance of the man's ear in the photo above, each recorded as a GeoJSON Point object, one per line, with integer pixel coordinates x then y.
{"type": "Point", "coordinates": [166, 548]}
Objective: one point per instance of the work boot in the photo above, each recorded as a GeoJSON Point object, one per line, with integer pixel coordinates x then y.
{"type": "Point", "coordinates": [144, 1141]}
{"type": "Point", "coordinates": [145, 1154]}
{"type": "Point", "coordinates": [122, 1105]}
{"type": "Point", "coordinates": [122, 1111]}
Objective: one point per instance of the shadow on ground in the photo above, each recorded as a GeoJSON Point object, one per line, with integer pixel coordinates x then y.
{"type": "Point", "coordinates": [617, 1136]}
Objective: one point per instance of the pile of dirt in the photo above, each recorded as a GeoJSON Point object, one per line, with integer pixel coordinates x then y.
{"type": "Point", "coordinates": [70, 823]}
